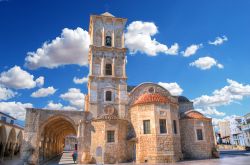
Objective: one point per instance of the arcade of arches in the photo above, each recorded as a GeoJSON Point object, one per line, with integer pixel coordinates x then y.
{"type": "Point", "coordinates": [48, 129]}
{"type": "Point", "coordinates": [52, 139]}
{"type": "Point", "coordinates": [10, 141]}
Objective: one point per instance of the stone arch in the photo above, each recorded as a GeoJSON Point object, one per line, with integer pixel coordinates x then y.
{"type": "Point", "coordinates": [10, 143]}
{"type": "Point", "coordinates": [3, 139]}
{"type": "Point", "coordinates": [52, 134]}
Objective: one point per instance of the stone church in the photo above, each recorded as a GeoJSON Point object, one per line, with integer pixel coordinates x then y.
{"type": "Point", "coordinates": [120, 123]}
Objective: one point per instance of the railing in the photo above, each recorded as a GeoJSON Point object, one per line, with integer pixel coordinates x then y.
{"type": "Point", "coordinates": [245, 127]}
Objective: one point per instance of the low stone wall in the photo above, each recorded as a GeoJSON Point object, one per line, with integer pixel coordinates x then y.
{"type": "Point", "coordinates": [230, 147]}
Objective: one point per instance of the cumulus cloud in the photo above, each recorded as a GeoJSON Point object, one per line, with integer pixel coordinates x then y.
{"type": "Point", "coordinates": [173, 88]}
{"type": "Point", "coordinates": [75, 98]}
{"type": "Point", "coordinates": [19, 79]}
{"type": "Point", "coordinates": [80, 80]}
{"type": "Point", "coordinates": [15, 109]}
{"type": "Point", "coordinates": [211, 111]}
{"type": "Point", "coordinates": [138, 38]}
{"type": "Point", "coordinates": [234, 91]}
{"type": "Point", "coordinates": [6, 93]}
{"type": "Point", "coordinates": [218, 40]}
{"type": "Point", "coordinates": [205, 63]}
{"type": "Point", "coordinates": [191, 50]}
{"type": "Point", "coordinates": [58, 106]}
{"type": "Point", "coordinates": [70, 48]}
{"type": "Point", "coordinates": [40, 81]}
{"type": "Point", "coordinates": [44, 92]}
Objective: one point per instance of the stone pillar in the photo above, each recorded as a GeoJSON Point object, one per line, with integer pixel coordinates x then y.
{"type": "Point", "coordinates": [124, 67]}
{"type": "Point", "coordinates": [30, 149]}
{"type": "Point", "coordinates": [103, 37]}
{"type": "Point", "coordinates": [113, 67]}
{"type": "Point", "coordinates": [113, 39]}
{"type": "Point", "coordinates": [102, 67]}
{"type": "Point", "coordinates": [84, 140]}
{"type": "Point", "coordinates": [2, 153]}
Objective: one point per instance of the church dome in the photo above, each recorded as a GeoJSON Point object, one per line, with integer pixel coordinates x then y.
{"type": "Point", "coordinates": [192, 114]}
{"type": "Point", "coordinates": [151, 98]}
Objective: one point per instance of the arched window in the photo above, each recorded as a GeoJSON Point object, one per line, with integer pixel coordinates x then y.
{"type": "Point", "coordinates": [108, 96]}
{"type": "Point", "coordinates": [108, 69]}
{"type": "Point", "coordinates": [108, 41]}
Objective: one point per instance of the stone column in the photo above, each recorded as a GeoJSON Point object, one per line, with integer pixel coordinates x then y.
{"type": "Point", "coordinates": [113, 38]}
{"type": "Point", "coordinates": [103, 37]}
{"type": "Point", "coordinates": [113, 66]}
{"type": "Point", "coordinates": [102, 67]}
{"type": "Point", "coordinates": [124, 67]}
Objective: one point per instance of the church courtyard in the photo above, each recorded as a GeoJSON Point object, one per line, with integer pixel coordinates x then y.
{"type": "Point", "coordinates": [227, 158]}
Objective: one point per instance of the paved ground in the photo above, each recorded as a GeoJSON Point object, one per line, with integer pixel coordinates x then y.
{"type": "Point", "coordinates": [227, 158]}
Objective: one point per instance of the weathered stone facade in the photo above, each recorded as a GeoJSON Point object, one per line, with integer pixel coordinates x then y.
{"type": "Point", "coordinates": [118, 125]}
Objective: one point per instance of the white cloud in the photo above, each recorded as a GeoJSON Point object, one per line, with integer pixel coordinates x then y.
{"type": "Point", "coordinates": [211, 111]}
{"type": "Point", "coordinates": [205, 63]}
{"type": "Point", "coordinates": [6, 93]}
{"type": "Point", "coordinates": [70, 48]}
{"type": "Point", "coordinates": [40, 81]}
{"type": "Point", "coordinates": [15, 109]}
{"type": "Point", "coordinates": [191, 50]}
{"type": "Point", "coordinates": [44, 92]}
{"type": "Point", "coordinates": [218, 40]}
{"type": "Point", "coordinates": [75, 97]}
{"type": "Point", "coordinates": [58, 106]}
{"type": "Point", "coordinates": [138, 38]}
{"type": "Point", "coordinates": [19, 79]}
{"type": "Point", "coordinates": [173, 88]}
{"type": "Point", "coordinates": [234, 91]}
{"type": "Point", "coordinates": [80, 80]}
{"type": "Point", "coordinates": [215, 121]}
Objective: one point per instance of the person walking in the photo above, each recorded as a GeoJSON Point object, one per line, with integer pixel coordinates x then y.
{"type": "Point", "coordinates": [74, 156]}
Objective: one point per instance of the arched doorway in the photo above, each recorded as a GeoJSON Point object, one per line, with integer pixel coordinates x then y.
{"type": "Point", "coordinates": [2, 141]}
{"type": "Point", "coordinates": [52, 136]}
{"type": "Point", "coordinates": [11, 143]}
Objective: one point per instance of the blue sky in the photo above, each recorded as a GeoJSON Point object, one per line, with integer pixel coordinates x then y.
{"type": "Point", "coordinates": [25, 25]}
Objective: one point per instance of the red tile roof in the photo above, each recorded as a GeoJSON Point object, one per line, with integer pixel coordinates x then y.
{"type": "Point", "coordinates": [194, 115]}
{"type": "Point", "coordinates": [151, 98]}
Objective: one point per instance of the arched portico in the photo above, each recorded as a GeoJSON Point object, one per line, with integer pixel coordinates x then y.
{"type": "Point", "coordinates": [45, 132]}
{"type": "Point", "coordinates": [52, 136]}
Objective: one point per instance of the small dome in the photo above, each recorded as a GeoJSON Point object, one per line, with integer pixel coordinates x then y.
{"type": "Point", "coordinates": [182, 99]}
{"type": "Point", "coordinates": [151, 98]}
{"type": "Point", "coordinates": [192, 114]}
{"type": "Point", "coordinates": [108, 14]}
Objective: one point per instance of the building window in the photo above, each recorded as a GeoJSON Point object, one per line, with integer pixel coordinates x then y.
{"type": "Point", "coordinates": [199, 134]}
{"type": "Point", "coordinates": [108, 96]}
{"type": "Point", "coordinates": [108, 69]}
{"type": "Point", "coordinates": [110, 136]}
{"type": "Point", "coordinates": [146, 126]}
{"type": "Point", "coordinates": [108, 41]}
{"type": "Point", "coordinates": [3, 118]}
{"type": "Point", "coordinates": [12, 122]}
{"type": "Point", "coordinates": [174, 127]}
{"type": "Point", "coordinates": [163, 128]}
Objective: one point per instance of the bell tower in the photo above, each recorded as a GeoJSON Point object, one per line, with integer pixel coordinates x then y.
{"type": "Point", "coordinates": [107, 86]}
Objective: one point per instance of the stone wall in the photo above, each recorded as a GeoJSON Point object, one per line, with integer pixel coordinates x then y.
{"type": "Point", "coordinates": [106, 152]}
{"type": "Point", "coordinates": [191, 147]}
{"type": "Point", "coordinates": [156, 147]}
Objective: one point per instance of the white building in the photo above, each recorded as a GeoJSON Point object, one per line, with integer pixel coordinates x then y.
{"type": "Point", "coordinates": [246, 129]}
{"type": "Point", "coordinates": [236, 133]}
